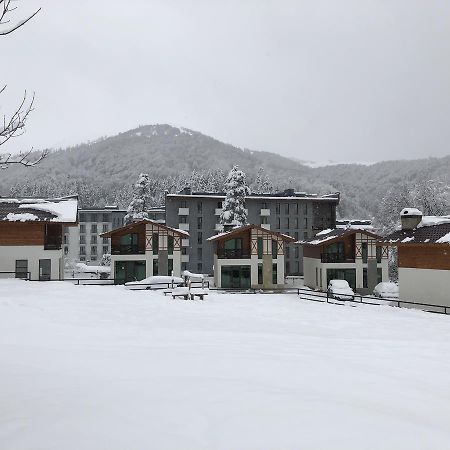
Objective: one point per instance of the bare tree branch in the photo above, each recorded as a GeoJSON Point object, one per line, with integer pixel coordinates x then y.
{"type": "Point", "coordinates": [14, 126]}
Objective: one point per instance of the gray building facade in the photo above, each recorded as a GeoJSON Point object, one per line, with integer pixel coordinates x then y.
{"type": "Point", "coordinates": [83, 243]}
{"type": "Point", "coordinates": [296, 214]}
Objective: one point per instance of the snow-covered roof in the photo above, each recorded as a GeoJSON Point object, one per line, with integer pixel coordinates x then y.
{"type": "Point", "coordinates": [236, 230]}
{"type": "Point", "coordinates": [356, 224]}
{"type": "Point", "coordinates": [334, 234]}
{"type": "Point", "coordinates": [62, 210]}
{"type": "Point", "coordinates": [144, 221]}
{"type": "Point", "coordinates": [432, 230]}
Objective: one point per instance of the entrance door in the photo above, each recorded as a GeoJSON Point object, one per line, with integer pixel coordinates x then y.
{"type": "Point", "coordinates": [45, 269]}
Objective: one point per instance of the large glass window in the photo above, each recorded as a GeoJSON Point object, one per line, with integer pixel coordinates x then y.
{"type": "Point", "coordinates": [129, 243]}
{"type": "Point", "coordinates": [274, 273]}
{"type": "Point", "coordinates": [170, 266]}
{"type": "Point", "coordinates": [260, 273]}
{"type": "Point", "coordinates": [233, 248]}
{"type": "Point", "coordinates": [155, 267]}
{"type": "Point", "coordinates": [364, 251]}
{"type": "Point", "coordinates": [378, 255]}
{"type": "Point", "coordinates": [94, 228]}
{"type": "Point", "coordinates": [170, 245]}
{"type": "Point", "coordinates": [342, 274]}
{"type": "Point", "coordinates": [260, 244]}
{"type": "Point", "coordinates": [235, 277]}
{"type": "Point", "coordinates": [274, 249]}
{"type": "Point", "coordinates": [125, 271]}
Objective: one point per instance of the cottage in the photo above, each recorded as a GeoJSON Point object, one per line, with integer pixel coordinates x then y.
{"type": "Point", "coordinates": [146, 248]}
{"type": "Point", "coordinates": [349, 254]}
{"type": "Point", "coordinates": [31, 233]}
{"type": "Point", "coordinates": [249, 257]}
{"type": "Point", "coordinates": [423, 245]}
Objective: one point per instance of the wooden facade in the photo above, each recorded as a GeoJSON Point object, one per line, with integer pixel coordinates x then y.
{"type": "Point", "coordinates": [424, 256]}
{"type": "Point", "coordinates": [31, 233]}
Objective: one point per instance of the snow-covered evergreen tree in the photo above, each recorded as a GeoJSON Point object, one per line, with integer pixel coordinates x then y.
{"type": "Point", "coordinates": [106, 260]}
{"type": "Point", "coordinates": [137, 210]}
{"type": "Point", "coordinates": [236, 190]}
{"type": "Point", "coordinates": [262, 184]}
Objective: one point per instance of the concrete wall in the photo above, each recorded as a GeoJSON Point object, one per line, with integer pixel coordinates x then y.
{"type": "Point", "coordinates": [312, 215]}
{"type": "Point", "coordinates": [32, 253]}
{"type": "Point", "coordinates": [424, 286]}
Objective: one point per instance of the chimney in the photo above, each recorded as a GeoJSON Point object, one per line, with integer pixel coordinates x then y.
{"type": "Point", "coordinates": [410, 217]}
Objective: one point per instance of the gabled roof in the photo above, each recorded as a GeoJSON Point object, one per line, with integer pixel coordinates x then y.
{"type": "Point", "coordinates": [61, 210]}
{"type": "Point", "coordinates": [424, 234]}
{"type": "Point", "coordinates": [239, 230]}
{"type": "Point", "coordinates": [333, 235]}
{"type": "Point", "coordinates": [132, 225]}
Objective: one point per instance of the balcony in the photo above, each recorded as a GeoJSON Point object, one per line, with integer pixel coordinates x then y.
{"type": "Point", "coordinates": [127, 250]}
{"type": "Point", "coordinates": [233, 254]}
{"type": "Point", "coordinates": [185, 242]}
{"type": "Point", "coordinates": [185, 258]}
{"type": "Point", "coordinates": [266, 226]}
{"type": "Point", "coordinates": [183, 226]}
{"type": "Point", "coordinates": [265, 212]}
{"type": "Point", "coordinates": [183, 211]}
{"type": "Point", "coordinates": [218, 211]}
{"type": "Point", "coordinates": [335, 258]}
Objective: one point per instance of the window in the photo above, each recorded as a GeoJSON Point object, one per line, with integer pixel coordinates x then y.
{"type": "Point", "coordinates": [183, 219]}
{"type": "Point", "coordinates": [260, 244]}
{"type": "Point", "coordinates": [82, 228]}
{"type": "Point", "coordinates": [199, 267]}
{"type": "Point", "coordinates": [286, 208]}
{"type": "Point", "coordinates": [170, 267]}
{"type": "Point", "coordinates": [305, 208]}
{"type": "Point", "coordinates": [105, 240]}
{"type": "Point", "coordinates": [305, 235]}
{"type": "Point", "coordinates": [93, 250]}
{"type": "Point", "coordinates": [278, 225]}
{"type": "Point", "coordinates": [170, 245]}
{"type": "Point", "coordinates": [288, 252]}
{"type": "Point", "coordinates": [82, 217]}
{"type": "Point", "coordinates": [286, 222]}
{"type": "Point", "coordinates": [93, 258]}
{"type": "Point", "coordinates": [277, 208]}
{"type": "Point", "coordinates": [305, 223]}
{"type": "Point", "coordinates": [297, 208]}
{"type": "Point", "coordinates": [155, 267]}
{"type": "Point", "coordinates": [274, 249]}
{"type": "Point", "coordinates": [232, 248]}
{"type": "Point", "coordinates": [21, 268]}
{"type": "Point", "coordinates": [378, 255]}
{"type": "Point", "coordinates": [94, 228]}
{"type": "Point", "coordinates": [93, 239]}
{"type": "Point", "coordinates": [183, 250]}
{"type": "Point", "coordinates": [364, 252]}
{"type": "Point", "coordinates": [379, 274]}
{"type": "Point", "coordinates": [296, 222]}
{"type": "Point", "coordinates": [297, 252]}
{"type": "Point", "coordinates": [83, 239]}
{"type": "Point", "coordinates": [66, 239]}
{"type": "Point", "coordinates": [288, 267]}
{"type": "Point", "coordinates": [183, 204]}
{"type": "Point", "coordinates": [296, 235]}
{"type": "Point", "coordinates": [183, 266]}
{"type": "Point", "coordinates": [264, 220]}
{"type": "Point", "coordinates": [342, 274]}
{"type": "Point", "coordinates": [82, 258]}
{"type": "Point", "coordinates": [105, 249]}
{"type": "Point", "coordinates": [82, 250]}
{"type": "Point", "coordinates": [93, 217]}
{"type": "Point", "coordinates": [155, 243]}
{"type": "Point", "coordinates": [260, 274]}
{"type": "Point", "coordinates": [66, 249]}
{"type": "Point", "coordinates": [199, 207]}
{"type": "Point", "coordinates": [105, 217]}
{"type": "Point", "coordinates": [274, 273]}
{"type": "Point", "coordinates": [365, 285]}
{"type": "Point", "coordinates": [263, 206]}
{"type": "Point", "coordinates": [105, 227]}
{"type": "Point", "coordinates": [219, 205]}
{"type": "Point", "coordinates": [199, 253]}
{"type": "Point", "coordinates": [199, 222]}
{"type": "Point", "coordinates": [199, 237]}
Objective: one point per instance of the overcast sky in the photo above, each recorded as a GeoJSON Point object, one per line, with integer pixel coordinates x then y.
{"type": "Point", "coordinates": [346, 80]}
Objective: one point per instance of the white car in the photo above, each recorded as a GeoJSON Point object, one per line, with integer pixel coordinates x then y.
{"type": "Point", "coordinates": [155, 282]}
{"type": "Point", "coordinates": [386, 290]}
{"type": "Point", "coordinates": [341, 290]}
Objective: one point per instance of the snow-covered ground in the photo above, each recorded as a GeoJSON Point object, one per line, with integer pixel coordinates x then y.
{"type": "Point", "coordinates": [102, 368]}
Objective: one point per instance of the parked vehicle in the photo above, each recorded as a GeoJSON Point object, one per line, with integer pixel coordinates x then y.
{"type": "Point", "coordinates": [340, 290]}
{"type": "Point", "coordinates": [386, 290]}
{"type": "Point", "coordinates": [155, 282]}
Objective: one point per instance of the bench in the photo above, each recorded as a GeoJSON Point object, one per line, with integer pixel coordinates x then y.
{"type": "Point", "coordinates": [200, 293]}
{"type": "Point", "coordinates": [180, 292]}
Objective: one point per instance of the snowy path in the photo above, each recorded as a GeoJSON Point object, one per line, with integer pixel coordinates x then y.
{"type": "Point", "coordinates": [101, 368]}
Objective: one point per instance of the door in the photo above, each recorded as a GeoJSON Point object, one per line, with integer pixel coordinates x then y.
{"type": "Point", "coordinates": [125, 271]}
{"type": "Point", "coordinates": [45, 269]}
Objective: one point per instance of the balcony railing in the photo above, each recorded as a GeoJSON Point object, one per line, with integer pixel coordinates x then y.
{"type": "Point", "coordinates": [233, 254]}
{"type": "Point", "coordinates": [127, 250]}
{"type": "Point", "coordinates": [335, 258]}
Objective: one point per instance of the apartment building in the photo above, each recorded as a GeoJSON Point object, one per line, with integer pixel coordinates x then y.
{"type": "Point", "coordinates": [296, 214]}
{"type": "Point", "coordinates": [84, 243]}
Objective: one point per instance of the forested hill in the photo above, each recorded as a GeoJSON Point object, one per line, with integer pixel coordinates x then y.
{"type": "Point", "coordinates": [103, 171]}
